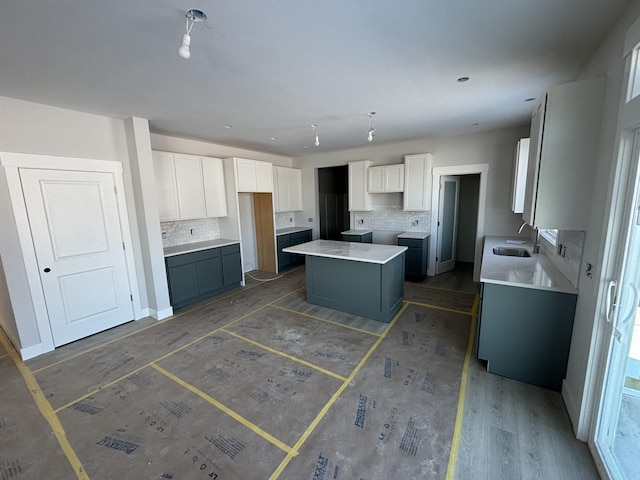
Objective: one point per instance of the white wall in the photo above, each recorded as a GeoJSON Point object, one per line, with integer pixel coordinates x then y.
{"type": "Point", "coordinates": [495, 148]}
{"type": "Point", "coordinates": [607, 60]}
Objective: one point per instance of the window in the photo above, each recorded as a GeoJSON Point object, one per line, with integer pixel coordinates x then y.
{"type": "Point", "coordinates": [550, 235]}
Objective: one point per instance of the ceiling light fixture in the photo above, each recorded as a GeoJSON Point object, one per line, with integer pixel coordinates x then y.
{"type": "Point", "coordinates": [371, 129]}
{"type": "Point", "coordinates": [314, 127]}
{"type": "Point", "coordinates": [193, 17]}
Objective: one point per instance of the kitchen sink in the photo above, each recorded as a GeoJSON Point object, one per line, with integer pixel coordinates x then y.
{"type": "Point", "coordinates": [511, 252]}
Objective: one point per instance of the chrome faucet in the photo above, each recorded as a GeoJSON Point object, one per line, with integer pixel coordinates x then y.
{"type": "Point", "coordinates": [536, 242]}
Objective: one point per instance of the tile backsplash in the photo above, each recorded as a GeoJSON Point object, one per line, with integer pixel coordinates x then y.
{"type": "Point", "coordinates": [393, 218]}
{"type": "Point", "coordinates": [285, 219]}
{"type": "Point", "coordinates": [189, 231]}
{"type": "Point", "coordinates": [572, 242]}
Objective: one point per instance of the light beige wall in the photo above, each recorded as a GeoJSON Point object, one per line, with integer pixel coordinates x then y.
{"type": "Point", "coordinates": [194, 147]}
{"type": "Point", "coordinates": [28, 127]}
{"type": "Point", "coordinates": [606, 60]}
{"type": "Point", "coordinates": [495, 148]}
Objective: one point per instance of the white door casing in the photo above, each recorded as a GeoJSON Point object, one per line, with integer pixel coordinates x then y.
{"type": "Point", "coordinates": [79, 250]}
{"type": "Point", "coordinates": [475, 168]}
{"type": "Point", "coordinates": [11, 163]}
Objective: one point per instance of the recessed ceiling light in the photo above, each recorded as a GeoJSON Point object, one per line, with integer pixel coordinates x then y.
{"type": "Point", "coordinates": [228, 126]}
{"type": "Point", "coordinates": [463, 79]}
{"type": "Point", "coordinates": [475, 124]}
{"type": "Point", "coordinates": [274, 138]}
{"type": "Point", "coordinates": [306, 146]}
{"type": "Point", "coordinates": [530, 99]}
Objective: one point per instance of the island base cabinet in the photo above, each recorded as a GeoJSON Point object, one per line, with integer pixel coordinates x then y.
{"type": "Point", "coordinates": [525, 333]}
{"type": "Point", "coordinates": [198, 275]}
{"type": "Point", "coordinates": [370, 290]}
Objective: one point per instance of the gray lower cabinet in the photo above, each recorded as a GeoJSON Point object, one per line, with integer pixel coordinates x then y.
{"type": "Point", "coordinates": [415, 258]}
{"type": "Point", "coordinates": [198, 275]}
{"type": "Point", "coordinates": [525, 333]}
{"type": "Point", "coordinates": [364, 238]}
{"type": "Point", "coordinates": [288, 260]}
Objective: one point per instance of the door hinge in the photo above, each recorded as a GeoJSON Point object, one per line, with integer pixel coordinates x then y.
{"type": "Point", "coordinates": [436, 259]}
{"type": "Point", "coordinates": [638, 216]}
{"type": "Point", "coordinates": [131, 297]}
{"type": "Point", "coordinates": [438, 222]}
{"type": "Point", "coordinates": [115, 189]}
{"type": "Point", "coordinates": [123, 247]}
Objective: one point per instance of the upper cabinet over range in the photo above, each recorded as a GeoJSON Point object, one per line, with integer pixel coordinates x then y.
{"type": "Point", "coordinates": [565, 129]}
{"type": "Point", "coordinates": [189, 186]}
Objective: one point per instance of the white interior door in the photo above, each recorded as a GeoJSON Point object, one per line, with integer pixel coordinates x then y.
{"type": "Point", "coordinates": [447, 224]}
{"type": "Point", "coordinates": [77, 239]}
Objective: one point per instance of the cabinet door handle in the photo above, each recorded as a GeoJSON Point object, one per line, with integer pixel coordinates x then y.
{"type": "Point", "coordinates": [611, 299]}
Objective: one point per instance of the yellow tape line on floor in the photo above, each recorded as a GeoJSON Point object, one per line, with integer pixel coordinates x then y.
{"type": "Point", "coordinates": [168, 354]}
{"type": "Point", "coordinates": [45, 409]}
{"type": "Point", "coordinates": [360, 330]}
{"type": "Point", "coordinates": [285, 355]}
{"type": "Point", "coordinates": [335, 396]}
{"type": "Point", "coordinates": [457, 429]}
{"type": "Point", "coordinates": [251, 426]}
{"type": "Point", "coordinates": [428, 305]}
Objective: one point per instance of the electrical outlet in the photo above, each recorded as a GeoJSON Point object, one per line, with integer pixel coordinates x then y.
{"type": "Point", "coordinates": [164, 234]}
{"type": "Point", "coordinates": [191, 231]}
{"type": "Point", "coordinates": [361, 221]}
{"type": "Point", "coordinates": [310, 219]}
{"type": "Point", "coordinates": [291, 219]}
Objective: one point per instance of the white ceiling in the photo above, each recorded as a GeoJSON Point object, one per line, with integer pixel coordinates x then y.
{"type": "Point", "coordinates": [271, 68]}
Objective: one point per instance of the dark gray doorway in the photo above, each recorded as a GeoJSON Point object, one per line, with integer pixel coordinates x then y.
{"type": "Point", "coordinates": [333, 201]}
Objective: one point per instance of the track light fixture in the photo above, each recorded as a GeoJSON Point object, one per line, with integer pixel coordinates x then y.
{"type": "Point", "coordinates": [314, 127]}
{"type": "Point", "coordinates": [193, 17]}
{"type": "Point", "coordinates": [371, 129]}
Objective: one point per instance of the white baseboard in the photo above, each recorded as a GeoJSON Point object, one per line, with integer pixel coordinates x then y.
{"type": "Point", "coordinates": [33, 351]}
{"type": "Point", "coordinates": [143, 313]}
{"type": "Point", "coordinates": [161, 314]}
{"type": "Point", "coordinates": [573, 409]}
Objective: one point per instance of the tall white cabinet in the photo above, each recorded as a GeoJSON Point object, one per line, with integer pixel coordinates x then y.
{"type": "Point", "coordinates": [359, 197]}
{"type": "Point", "coordinates": [565, 129]}
{"type": "Point", "coordinates": [287, 187]}
{"type": "Point", "coordinates": [417, 182]}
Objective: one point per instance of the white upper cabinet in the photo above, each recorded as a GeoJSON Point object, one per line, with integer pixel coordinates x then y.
{"type": "Point", "coordinates": [417, 182]}
{"type": "Point", "coordinates": [565, 129]}
{"type": "Point", "coordinates": [520, 163]}
{"type": "Point", "coordinates": [215, 197]}
{"type": "Point", "coordinates": [189, 186]}
{"type": "Point", "coordinates": [166, 187]}
{"type": "Point", "coordinates": [254, 176]}
{"type": "Point", "coordinates": [386, 178]}
{"type": "Point", "coordinates": [359, 198]}
{"type": "Point", "coordinates": [287, 186]}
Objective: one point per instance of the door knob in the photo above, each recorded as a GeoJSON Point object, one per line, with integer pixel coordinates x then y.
{"type": "Point", "coordinates": [47, 270]}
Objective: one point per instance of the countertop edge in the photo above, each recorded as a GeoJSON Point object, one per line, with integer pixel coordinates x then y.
{"type": "Point", "coordinates": [197, 247]}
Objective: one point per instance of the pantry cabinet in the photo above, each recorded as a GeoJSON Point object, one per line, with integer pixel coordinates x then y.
{"type": "Point", "coordinates": [565, 128]}
{"type": "Point", "coordinates": [287, 186]}
{"type": "Point", "coordinates": [520, 162]}
{"type": "Point", "coordinates": [359, 197]}
{"type": "Point", "coordinates": [417, 182]}
{"type": "Point", "coordinates": [189, 186]}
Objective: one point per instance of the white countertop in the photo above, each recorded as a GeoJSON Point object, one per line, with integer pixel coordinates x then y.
{"type": "Point", "coordinates": [415, 235]}
{"type": "Point", "coordinates": [359, 252]}
{"type": "Point", "coordinates": [282, 231]}
{"type": "Point", "coordinates": [196, 247]}
{"type": "Point", "coordinates": [356, 232]}
{"type": "Point", "coordinates": [536, 271]}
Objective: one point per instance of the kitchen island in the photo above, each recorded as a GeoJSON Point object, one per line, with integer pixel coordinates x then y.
{"type": "Point", "coordinates": [359, 278]}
